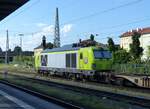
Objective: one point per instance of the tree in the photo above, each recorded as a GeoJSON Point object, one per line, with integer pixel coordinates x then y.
{"type": "Point", "coordinates": [121, 56]}
{"type": "Point", "coordinates": [1, 50]}
{"type": "Point", "coordinates": [148, 52]}
{"type": "Point", "coordinates": [17, 50]}
{"type": "Point", "coordinates": [49, 45]}
{"type": "Point", "coordinates": [135, 49]}
{"type": "Point", "coordinates": [92, 37]}
{"type": "Point", "coordinates": [111, 45]}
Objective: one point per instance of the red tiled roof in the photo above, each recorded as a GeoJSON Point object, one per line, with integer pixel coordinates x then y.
{"type": "Point", "coordinates": [140, 30]}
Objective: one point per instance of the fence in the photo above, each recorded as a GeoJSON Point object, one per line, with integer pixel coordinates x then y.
{"type": "Point", "coordinates": [132, 68]}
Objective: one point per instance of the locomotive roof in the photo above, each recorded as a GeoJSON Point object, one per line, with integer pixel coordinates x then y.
{"type": "Point", "coordinates": [63, 48]}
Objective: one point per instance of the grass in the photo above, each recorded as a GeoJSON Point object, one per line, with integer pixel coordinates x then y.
{"type": "Point", "coordinates": [16, 68]}
{"type": "Point", "coordinates": [86, 101]}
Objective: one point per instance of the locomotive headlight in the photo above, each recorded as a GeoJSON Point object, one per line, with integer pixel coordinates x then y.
{"type": "Point", "coordinates": [93, 66]}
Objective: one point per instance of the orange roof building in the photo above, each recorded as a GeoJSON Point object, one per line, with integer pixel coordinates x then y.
{"type": "Point", "coordinates": [126, 39]}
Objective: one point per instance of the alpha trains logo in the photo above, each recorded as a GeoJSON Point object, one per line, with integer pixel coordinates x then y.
{"type": "Point", "coordinates": [44, 60]}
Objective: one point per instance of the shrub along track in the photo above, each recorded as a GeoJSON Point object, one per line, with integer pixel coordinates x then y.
{"type": "Point", "coordinates": [135, 100]}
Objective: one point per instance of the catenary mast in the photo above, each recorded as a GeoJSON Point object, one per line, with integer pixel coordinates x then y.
{"type": "Point", "coordinates": [7, 48]}
{"type": "Point", "coordinates": [57, 32]}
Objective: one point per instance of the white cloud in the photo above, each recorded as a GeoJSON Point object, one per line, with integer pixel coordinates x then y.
{"type": "Point", "coordinates": [41, 24]}
{"type": "Point", "coordinates": [3, 42]}
{"type": "Point", "coordinates": [66, 28]}
{"type": "Point", "coordinates": [49, 30]}
{"type": "Point", "coordinates": [29, 42]}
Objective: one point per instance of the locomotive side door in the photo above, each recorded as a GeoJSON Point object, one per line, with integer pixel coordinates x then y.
{"type": "Point", "coordinates": [83, 59]}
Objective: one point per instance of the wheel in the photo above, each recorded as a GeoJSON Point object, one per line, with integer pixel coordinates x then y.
{"type": "Point", "coordinates": [120, 81]}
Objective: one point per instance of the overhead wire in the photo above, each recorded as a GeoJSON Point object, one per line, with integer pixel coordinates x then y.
{"type": "Point", "coordinates": [88, 16]}
{"type": "Point", "coordinates": [98, 13]}
{"type": "Point", "coordinates": [104, 11]}
{"type": "Point", "coordinates": [93, 15]}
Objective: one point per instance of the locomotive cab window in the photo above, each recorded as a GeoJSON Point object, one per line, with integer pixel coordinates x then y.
{"type": "Point", "coordinates": [102, 54]}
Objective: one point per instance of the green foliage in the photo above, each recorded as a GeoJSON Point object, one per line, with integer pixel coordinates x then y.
{"type": "Point", "coordinates": [111, 45]}
{"type": "Point", "coordinates": [28, 61]}
{"type": "Point", "coordinates": [2, 60]}
{"type": "Point", "coordinates": [17, 50]}
{"type": "Point", "coordinates": [92, 37]}
{"type": "Point", "coordinates": [121, 56]}
{"type": "Point", "coordinates": [148, 52]}
{"type": "Point", "coordinates": [135, 49]}
{"type": "Point", "coordinates": [49, 45]}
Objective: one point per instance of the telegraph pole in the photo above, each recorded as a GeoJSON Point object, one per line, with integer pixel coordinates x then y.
{"type": "Point", "coordinates": [57, 33]}
{"type": "Point", "coordinates": [7, 48]}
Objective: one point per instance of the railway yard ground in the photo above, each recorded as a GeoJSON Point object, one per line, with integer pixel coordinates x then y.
{"type": "Point", "coordinates": [55, 87]}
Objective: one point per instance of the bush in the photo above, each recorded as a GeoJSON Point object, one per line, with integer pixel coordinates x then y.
{"type": "Point", "coordinates": [28, 61]}
{"type": "Point", "coordinates": [121, 56]}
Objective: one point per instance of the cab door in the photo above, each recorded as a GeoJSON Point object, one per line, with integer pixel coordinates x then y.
{"type": "Point", "coordinates": [84, 59]}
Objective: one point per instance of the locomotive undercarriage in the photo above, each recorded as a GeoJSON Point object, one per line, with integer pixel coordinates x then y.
{"type": "Point", "coordinates": [99, 76]}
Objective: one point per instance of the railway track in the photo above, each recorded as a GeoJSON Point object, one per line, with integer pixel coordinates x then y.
{"type": "Point", "coordinates": [132, 88]}
{"type": "Point", "coordinates": [43, 96]}
{"type": "Point", "coordinates": [135, 100]}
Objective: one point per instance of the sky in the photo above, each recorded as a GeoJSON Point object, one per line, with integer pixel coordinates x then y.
{"type": "Point", "coordinates": [78, 19]}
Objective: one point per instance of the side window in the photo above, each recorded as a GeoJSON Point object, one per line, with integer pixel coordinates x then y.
{"type": "Point", "coordinates": [68, 60]}
{"type": "Point", "coordinates": [81, 55]}
{"type": "Point", "coordinates": [73, 60]}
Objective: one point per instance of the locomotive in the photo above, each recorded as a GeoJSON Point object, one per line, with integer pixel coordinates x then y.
{"type": "Point", "coordinates": [78, 62]}
{"type": "Point", "coordinates": [92, 63]}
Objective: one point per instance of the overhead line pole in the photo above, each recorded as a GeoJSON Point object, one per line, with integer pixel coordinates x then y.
{"type": "Point", "coordinates": [7, 48]}
{"type": "Point", "coordinates": [57, 31]}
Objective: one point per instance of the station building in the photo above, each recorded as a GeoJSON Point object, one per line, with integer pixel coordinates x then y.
{"type": "Point", "coordinates": [126, 40]}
